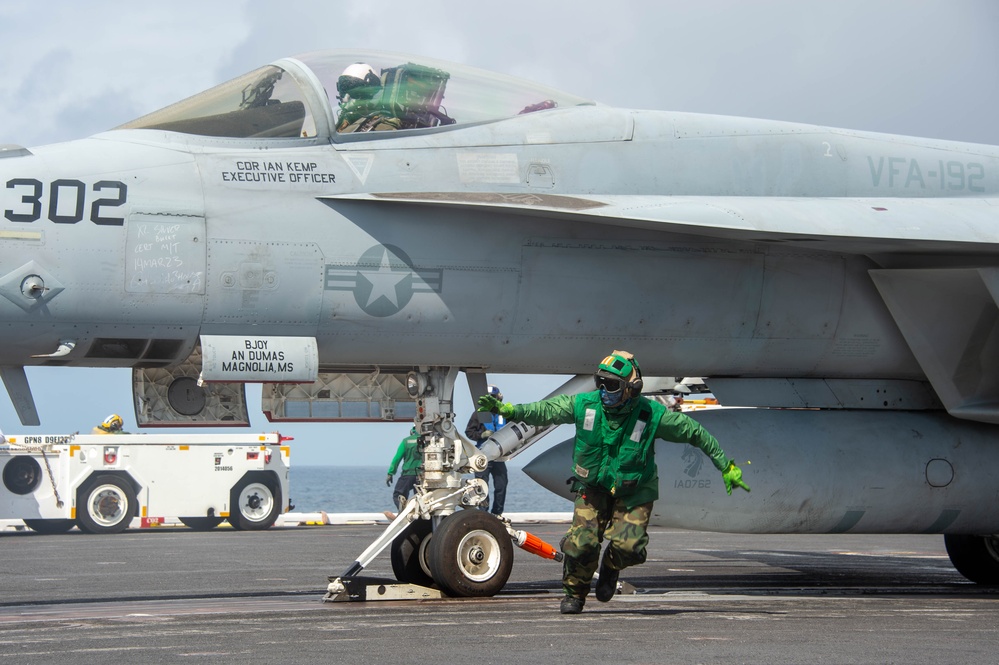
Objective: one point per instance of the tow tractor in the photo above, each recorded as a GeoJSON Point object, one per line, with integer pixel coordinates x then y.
{"type": "Point", "coordinates": [100, 483]}
{"type": "Point", "coordinates": [441, 537]}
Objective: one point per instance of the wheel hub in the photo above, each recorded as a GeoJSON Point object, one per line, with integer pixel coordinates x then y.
{"type": "Point", "coordinates": [107, 506]}
{"type": "Point", "coordinates": [255, 502]}
{"type": "Point", "coordinates": [479, 555]}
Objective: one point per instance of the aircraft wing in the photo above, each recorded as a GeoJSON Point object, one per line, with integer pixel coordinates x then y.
{"type": "Point", "coordinates": [934, 263]}
{"type": "Point", "coordinates": [854, 225]}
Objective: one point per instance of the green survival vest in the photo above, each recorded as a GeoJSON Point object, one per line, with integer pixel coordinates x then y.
{"type": "Point", "coordinates": [617, 454]}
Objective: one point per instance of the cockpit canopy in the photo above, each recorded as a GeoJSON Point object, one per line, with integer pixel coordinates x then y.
{"type": "Point", "coordinates": [265, 103]}
{"type": "Point", "coordinates": [299, 98]}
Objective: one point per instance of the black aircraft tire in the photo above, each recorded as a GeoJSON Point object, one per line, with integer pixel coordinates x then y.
{"type": "Point", "coordinates": [200, 523]}
{"type": "Point", "coordinates": [255, 505]}
{"type": "Point", "coordinates": [471, 554]}
{"type": "Point", "coordinates": [105, 504]}
{"type": "Point", "coordinates": [409, 554]}
{"type": "Point", "coordinates": [50, 526]}
{"type": "Point", "coordinates": [975, 557]}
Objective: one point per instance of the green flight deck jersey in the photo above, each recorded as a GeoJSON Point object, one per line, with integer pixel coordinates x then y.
{"type": "Point", "coordinates": [409, 455]}
{"type": "Point", "coordinates": [614, 448]}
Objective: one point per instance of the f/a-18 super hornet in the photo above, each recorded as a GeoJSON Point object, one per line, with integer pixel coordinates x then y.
{"type": "Point", "coordinates": [353, 229]}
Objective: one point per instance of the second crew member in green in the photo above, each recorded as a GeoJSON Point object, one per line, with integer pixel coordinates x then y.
{"type": "Point", "coordinates": [614, 470]}
{"type": "Point", "coordinates": [409, 454]}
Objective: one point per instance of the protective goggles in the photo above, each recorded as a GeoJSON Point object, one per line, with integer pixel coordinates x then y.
{"type": "Point", "coordinates": [609, 384]}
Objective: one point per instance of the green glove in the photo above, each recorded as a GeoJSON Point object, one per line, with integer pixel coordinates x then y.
{"type": "Point", "coordinates": [733, 478]}
{"type": "Point", "coordinates": [388, 481]}
{"type": "Point", "coordinates": [492, 405]}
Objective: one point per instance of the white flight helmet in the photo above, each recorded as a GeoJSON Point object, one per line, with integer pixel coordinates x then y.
{"type": "Point", "coordinates": [358, 81]}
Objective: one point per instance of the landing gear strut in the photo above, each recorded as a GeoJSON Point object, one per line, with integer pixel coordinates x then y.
{"type": "Point", "coordinates": [440, 537]}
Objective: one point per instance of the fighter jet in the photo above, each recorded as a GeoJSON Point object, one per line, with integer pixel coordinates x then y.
{"type": "Point", "coordinates": [354, 228]}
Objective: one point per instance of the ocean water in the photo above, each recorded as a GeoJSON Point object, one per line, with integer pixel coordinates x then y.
{"type": "Point", "coordinates": [361, 489]}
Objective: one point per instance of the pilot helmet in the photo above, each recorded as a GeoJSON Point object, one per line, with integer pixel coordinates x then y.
{"type": "Point", "coordinates": [113, 422]}
{"type": "Point", "coordinates": [358, 81]}
{"type": "Point", "coordinates": [494, 391]}
{"type": "Point", "coordinates": [618, 378]}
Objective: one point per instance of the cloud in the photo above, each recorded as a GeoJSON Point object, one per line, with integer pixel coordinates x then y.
{"type": "Point", "coordinates": [117, 57]}
{"type": "Point", "coordinates": [891, 66]}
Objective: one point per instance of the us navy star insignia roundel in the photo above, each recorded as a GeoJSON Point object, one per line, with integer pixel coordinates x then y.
{"type": "Point", "coordinates": [383, 280]}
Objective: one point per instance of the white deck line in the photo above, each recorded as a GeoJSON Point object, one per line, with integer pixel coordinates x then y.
{"type": "Point", "coordinates": [323, 518]}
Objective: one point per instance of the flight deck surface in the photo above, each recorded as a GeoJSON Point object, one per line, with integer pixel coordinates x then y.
{"type": "Point", "coordinates": [170, 594]}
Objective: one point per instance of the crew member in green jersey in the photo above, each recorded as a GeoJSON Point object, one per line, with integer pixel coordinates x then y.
{"type": "Point", "coordinates": [614, 470]}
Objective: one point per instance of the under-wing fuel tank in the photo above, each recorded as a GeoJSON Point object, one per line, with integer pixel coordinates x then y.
{"type": "Point", "coordinates": [822, 472]}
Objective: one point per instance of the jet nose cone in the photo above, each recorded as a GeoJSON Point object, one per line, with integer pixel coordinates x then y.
{"type": "Point", "coordinates": [552, 468]}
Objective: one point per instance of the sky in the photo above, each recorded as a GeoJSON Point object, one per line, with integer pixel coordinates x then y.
{"type": "Point", "coordinates": [924, 68]}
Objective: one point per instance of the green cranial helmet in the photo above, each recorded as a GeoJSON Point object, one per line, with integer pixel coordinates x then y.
{"type": "Point", "coordinates": [618, 378]}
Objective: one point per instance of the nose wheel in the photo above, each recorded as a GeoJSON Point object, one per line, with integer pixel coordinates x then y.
{"type": "Point", "coordinates": [409, 554]}
{"type": "Point", "coordinates": [470, 554]}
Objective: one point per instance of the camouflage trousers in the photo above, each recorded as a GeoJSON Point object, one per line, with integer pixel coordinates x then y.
{"type": "Point", "coordinates": [597, 516]}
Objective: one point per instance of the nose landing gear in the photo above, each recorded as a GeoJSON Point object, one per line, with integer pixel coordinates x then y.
{"type": "Point", "coordinates": [440, 537]}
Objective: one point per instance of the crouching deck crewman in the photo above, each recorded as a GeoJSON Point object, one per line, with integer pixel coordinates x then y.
{"type": "Point", "coordinates": [614, 470]}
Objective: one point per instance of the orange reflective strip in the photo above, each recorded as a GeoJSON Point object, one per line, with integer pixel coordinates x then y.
{"type": "Point", "coordinates": [185, 447]}
{"type": "Point", "coordinates": [72, 450]}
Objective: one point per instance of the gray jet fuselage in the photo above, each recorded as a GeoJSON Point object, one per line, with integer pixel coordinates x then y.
{"type": "Point", "coordinates": [849, 279]}
{"type": "Point", "coordinates": [484, 246]}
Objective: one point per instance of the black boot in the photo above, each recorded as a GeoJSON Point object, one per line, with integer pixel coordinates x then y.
{"type": "Point", "coordinates": [607, 584]}
{"type": "Point", "coordinates": [571, 605]}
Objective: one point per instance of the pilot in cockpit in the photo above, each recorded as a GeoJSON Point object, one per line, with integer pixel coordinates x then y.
{"type": "Point", "coordinates": [408, 96]}
{"type": "Point", "coordinates": [359, 91]}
